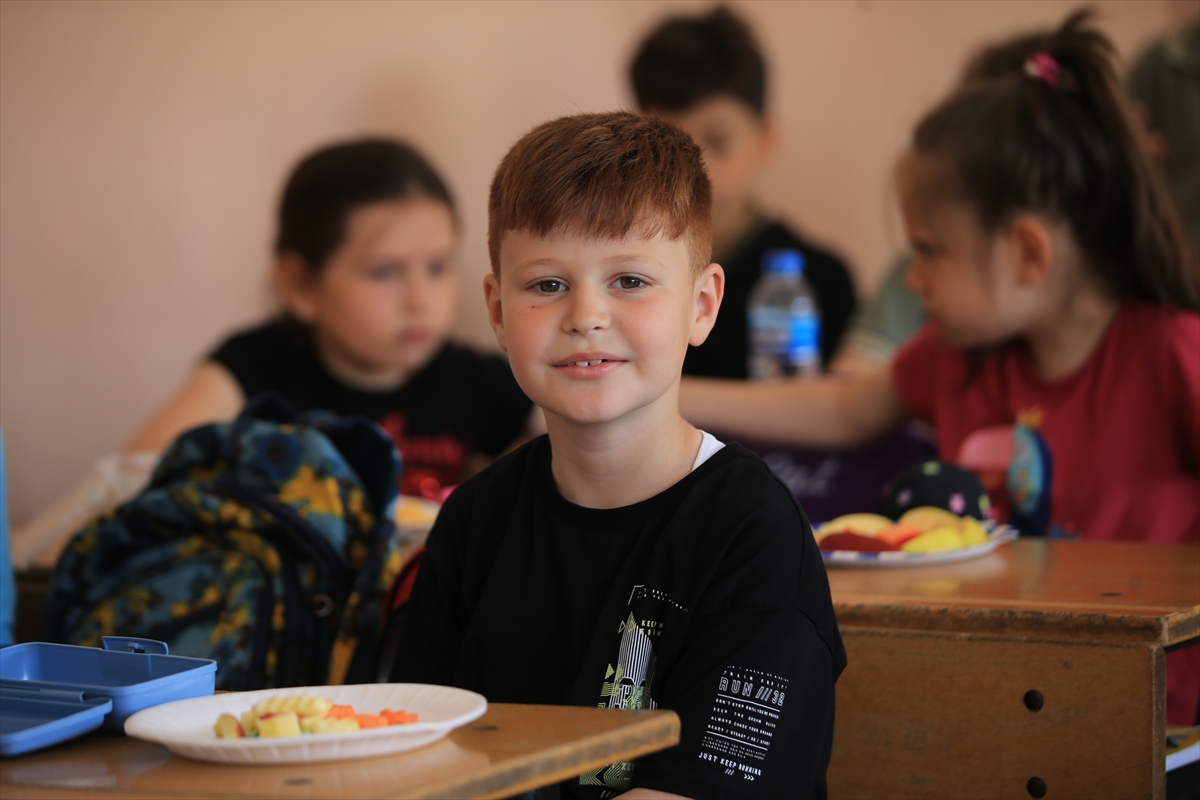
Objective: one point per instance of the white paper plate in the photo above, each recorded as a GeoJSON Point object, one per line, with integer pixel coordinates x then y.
{"type": "Point", "coordinates": [997, 536]}
{"type": "Point", "coordinates": [186, 726]}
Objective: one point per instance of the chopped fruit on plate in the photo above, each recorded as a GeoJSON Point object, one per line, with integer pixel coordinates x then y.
{"type": "Point", "coordinates": [292, 715]}
{"type": "Point", "coordinates": [921, 530]}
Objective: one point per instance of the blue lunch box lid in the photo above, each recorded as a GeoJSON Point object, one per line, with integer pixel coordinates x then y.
{"type": "Point", "coordinates": [130, 674]}
{"type": "Point", "coordinates": [31, 719]}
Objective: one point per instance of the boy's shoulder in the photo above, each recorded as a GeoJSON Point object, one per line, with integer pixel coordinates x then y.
{"type": "Point", "coordinates": [728, 492]}
{"type": "Point", "coordinates": [497, 486]}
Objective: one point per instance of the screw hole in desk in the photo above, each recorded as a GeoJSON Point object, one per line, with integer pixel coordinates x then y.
{"type": "Point", "coordinates": [1036, 787]}
{"type": "Point", "coordinates": [1033, 700]}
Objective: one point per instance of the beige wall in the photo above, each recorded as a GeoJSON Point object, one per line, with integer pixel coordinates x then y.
{"type": "Point", "coordinates": [142, 146]}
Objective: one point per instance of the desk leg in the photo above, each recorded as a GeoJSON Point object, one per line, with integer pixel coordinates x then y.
{"type": "Point", "coordinates": [927, 714]}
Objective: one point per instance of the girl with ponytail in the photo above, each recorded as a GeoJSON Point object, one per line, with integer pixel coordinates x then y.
{"type": "Point", "coordinates": [1062, 357]}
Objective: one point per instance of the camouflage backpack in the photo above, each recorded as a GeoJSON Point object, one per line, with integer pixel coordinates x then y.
{"type": "Point", "coordinates": [264, 543]}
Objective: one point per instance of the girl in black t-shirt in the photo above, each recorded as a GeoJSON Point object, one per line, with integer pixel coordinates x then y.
{"type": "Point", "coordinates": [365, 268]}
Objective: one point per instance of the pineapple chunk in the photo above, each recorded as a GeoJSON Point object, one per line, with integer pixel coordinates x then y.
{"type": "Point", "coordinates": [327, 725]}
{"type": "Point", "coordinates": [311, 706]}
{"type": "Point", "coordinates": [285, 723]}
{"type": "Point", "coordinates": [305, 705]}
{"type": "Point", "coordinates": [228, 727]}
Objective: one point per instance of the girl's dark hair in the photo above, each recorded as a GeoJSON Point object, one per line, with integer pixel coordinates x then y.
{"type": "Point", "coordinates": [1016, 143]}
{"type": "Point", "coordinates": [332, 182]}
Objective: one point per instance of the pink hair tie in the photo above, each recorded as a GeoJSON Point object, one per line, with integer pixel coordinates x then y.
{"type": "Point", "coordinates": [1043, 67]}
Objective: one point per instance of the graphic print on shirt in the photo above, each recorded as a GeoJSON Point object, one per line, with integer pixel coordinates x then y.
{"type": "Point", "coordinates": [744, 718]}
{"type": "Point", "coordinates": [431, 462]}
{"type": "Point", "coordinates": [626, 684]}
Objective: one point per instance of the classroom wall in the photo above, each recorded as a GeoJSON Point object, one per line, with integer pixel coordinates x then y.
{"type": "Point", "coordinates": [142, 146]}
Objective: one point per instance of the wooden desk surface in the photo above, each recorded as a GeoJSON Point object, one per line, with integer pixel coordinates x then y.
{"type": "Point", "coordinates": [1037, 670]}
{"type": "Point", "coordinates": [1109, 591]}
{"type": "Point", "coordinates": [509, 750]}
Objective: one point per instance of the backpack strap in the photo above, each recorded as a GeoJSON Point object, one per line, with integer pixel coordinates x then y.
{"type": "Point", "coordinates": [395, 609]}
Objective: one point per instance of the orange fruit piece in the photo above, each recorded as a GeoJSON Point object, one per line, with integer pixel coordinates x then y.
{"type": "Point", "coordinates": [899, 533]}
{"type": "Point", "coordinates": [340, 712]}
{"type": "Point", "coordinates": [370, 721]}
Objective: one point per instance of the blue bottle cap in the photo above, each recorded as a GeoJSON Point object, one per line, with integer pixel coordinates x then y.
{"type": "Point", "coordinates": [784, 262]}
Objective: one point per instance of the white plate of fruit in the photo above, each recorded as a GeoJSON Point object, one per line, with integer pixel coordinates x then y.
{"type": "Point", "coordinates": [924, 535]}
{"type": "Point", "coordinates": [307, 724]}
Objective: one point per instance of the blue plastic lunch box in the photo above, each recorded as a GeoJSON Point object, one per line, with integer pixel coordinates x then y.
{"type": "Point", "coordinates": [53, 692]}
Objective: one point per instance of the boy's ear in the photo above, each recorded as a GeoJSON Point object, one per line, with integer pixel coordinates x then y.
{"type": "Point", "coordinates": [710, 289]}
{"type": "Point", "coordinates": [296, 285]}
{"type": "Point", "coordinates": [1033, 250]}
{"type": "Point", "coordinates": [491, 295]}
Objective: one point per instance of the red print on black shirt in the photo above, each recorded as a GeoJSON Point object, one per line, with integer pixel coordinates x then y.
{"type": "Point", "coordinates": [431, 462]}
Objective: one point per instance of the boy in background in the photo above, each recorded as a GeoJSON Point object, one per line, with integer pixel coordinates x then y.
{"type": "Point", "coordinates": [707, 76]}
{"type": "Point", "coordinates": [626, 559]}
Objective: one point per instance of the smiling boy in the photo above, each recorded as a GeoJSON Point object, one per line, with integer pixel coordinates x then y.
{"type": "Point", "coordinates": [627, 560]}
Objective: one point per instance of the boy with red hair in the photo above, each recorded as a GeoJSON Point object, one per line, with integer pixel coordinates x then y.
{"type": "Point", "coordinates": [627, 559]}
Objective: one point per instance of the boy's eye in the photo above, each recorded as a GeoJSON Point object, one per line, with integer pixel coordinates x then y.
{"type": "Point", "coordinates": [549, 286]}
{"type": "Point", "coordinates": [630, 282]}
{"type": "Point", "coordinates": [437, 269]}
{"type": "Point", "coordinates": [382, 273]}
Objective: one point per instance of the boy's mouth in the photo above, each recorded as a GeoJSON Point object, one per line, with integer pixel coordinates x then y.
{"type": "Point", "coordinates": [581, 365]}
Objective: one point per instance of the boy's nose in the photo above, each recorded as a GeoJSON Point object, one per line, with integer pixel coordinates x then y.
{"type": "Point", "coordinates": [587, 311]}
{"type": "Point", "coordinates": [416, 292]}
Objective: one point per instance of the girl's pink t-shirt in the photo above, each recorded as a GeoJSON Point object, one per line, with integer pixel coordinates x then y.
{"type": "Point", "coordinates": [1123, 430]}
{"type": "Point", "coordinates": [1123, 433]}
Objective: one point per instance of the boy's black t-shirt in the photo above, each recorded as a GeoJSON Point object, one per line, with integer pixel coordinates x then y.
{"type": "Point", "coordinates": [709, 599]}
{"type": "Point", "coordinates": [461, 402]}
{"type": "Point", "coordinates": [725, 353]}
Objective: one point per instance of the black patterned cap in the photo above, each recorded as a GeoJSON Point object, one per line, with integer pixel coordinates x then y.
{"type": "Point", "coordinates": [935, 483]}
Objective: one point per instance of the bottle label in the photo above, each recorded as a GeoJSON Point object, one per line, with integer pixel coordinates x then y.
{"type": "Point", "coordinates": [784, 343]}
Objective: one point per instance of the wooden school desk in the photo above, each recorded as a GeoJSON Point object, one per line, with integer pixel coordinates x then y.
{"type": "Point", "coordinates": [1034, 671]}
{"type": "Point", "coordinates": [507, 751]}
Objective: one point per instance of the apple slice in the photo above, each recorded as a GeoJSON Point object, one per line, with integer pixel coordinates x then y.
{"type": "Point", "coordinates": [856, 542]}
{"type": "Point", "coordinates": [899, 533]}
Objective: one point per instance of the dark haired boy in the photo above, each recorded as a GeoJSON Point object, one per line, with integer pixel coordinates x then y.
{"type": "Point", "coordinates": [627, 559]}
{"type": "Point", "coordinates": [706, 75]}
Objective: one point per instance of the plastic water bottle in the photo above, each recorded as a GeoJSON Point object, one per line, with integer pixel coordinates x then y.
{"type": "Point", "coordinates": [785, 321]}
